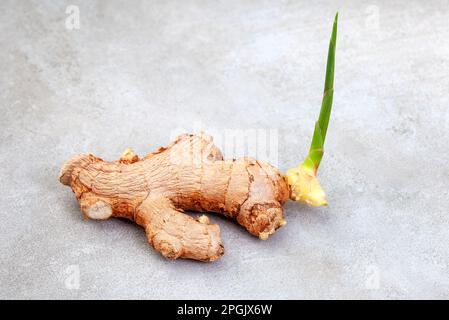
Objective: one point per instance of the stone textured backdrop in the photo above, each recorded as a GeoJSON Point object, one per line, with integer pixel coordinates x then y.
{"type": "Point", "coordinates": [134, 71]}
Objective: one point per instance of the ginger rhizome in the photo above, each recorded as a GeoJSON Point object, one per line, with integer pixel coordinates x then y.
{"type": "Point", "coordinates": [191, 175]}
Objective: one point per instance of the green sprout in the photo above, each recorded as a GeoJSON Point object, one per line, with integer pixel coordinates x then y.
{"type": "Point", "coordinates": [302, 180]}
{"type": "Point", "coordinates": [319, 135]}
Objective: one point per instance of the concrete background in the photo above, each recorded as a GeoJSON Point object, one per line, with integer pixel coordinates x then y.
{"type": "Point", "coordinates": [136, 70]}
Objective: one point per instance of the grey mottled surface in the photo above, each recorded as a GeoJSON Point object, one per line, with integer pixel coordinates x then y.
{"type": "Point", "coordinates": [135, 70]}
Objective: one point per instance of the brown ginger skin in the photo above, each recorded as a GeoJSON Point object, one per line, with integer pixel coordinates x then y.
{"type": "Point", "coordinates": [190, 175]}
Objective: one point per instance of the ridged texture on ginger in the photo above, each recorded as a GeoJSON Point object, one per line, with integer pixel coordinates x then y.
{"type": "Point", "coordinates": [190, 175]}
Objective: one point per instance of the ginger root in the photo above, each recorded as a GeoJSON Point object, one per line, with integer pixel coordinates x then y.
{"type": "Point", "coordinates": [190, 175]}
